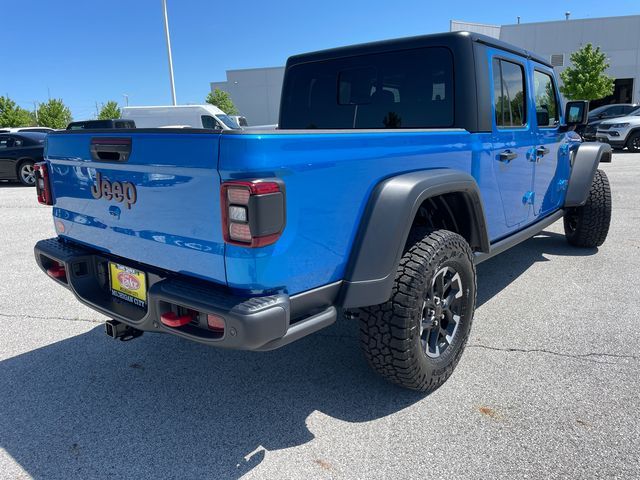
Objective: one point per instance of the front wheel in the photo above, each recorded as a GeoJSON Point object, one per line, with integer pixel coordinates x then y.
{"type": "Point", "coordinates": [633, 144]}
{"type": "Point", "coordinates": [417, 337]}
{"type": "Point", "coordinates": [587, 226]}
{"type": "Point", "coordinates": [26, 173]}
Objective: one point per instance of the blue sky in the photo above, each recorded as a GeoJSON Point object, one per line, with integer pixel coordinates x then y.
{"type": "Point", "coordinates": [93, 51]}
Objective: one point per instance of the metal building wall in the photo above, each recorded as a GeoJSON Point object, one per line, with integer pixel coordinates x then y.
{"type": "Point", "coordinates": [618, 37]}
{"type": "Point", "coordinates": [255, 92]}
{"type": "Point", "coordinates": [482, 28]}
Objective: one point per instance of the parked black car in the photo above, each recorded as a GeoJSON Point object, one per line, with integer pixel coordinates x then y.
{"type": "Point", "coordinates": [604, 112]}
{"type": "Point", "coordinates": [100, 124]}
{"type": "Point", "coordinates": [18, 153]}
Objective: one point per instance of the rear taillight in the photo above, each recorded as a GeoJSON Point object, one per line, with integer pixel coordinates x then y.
{"type": "Point", "coordinates": [43, 187]}
{"type": "Point", "coordinates": [253, 212]}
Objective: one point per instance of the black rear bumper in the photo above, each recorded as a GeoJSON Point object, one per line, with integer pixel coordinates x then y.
{"type": "Point", "coordinates": [251, 322]}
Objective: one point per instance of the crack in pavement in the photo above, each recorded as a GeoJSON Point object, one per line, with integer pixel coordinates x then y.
{"type": "Point", "coordinates": [578, 356]}
{"type": "Point", "coordinates": [37, 317]}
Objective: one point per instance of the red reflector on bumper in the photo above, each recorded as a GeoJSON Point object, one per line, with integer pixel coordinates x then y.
{"type": "Point", "coordinates": [170, 319]}
{"type": "Point", "coordinates": [215, 323]}
{"type": "Point", "coordinates": [57, 271]}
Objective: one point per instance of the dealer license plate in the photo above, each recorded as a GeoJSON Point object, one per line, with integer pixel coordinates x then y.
{"type": "Point", "coordinates": [128, 284]}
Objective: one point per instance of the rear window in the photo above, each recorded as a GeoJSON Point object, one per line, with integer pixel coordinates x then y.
{"type": "Point", "coordinates": [90, 125]}
{"type": "Point", "coordinates": [402, 89]}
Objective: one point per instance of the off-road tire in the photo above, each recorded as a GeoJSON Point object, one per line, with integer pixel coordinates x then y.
{"type": "Point", "coordinates": [587, 226]}
{"type": "Point", "coordinates": [390, 333]}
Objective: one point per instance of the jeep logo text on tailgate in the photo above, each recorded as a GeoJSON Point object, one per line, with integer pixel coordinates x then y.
{"type": "Point", "coordinates": [118, 191]}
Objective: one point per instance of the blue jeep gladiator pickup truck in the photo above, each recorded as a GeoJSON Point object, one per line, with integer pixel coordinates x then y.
{"type": "Point", "coordinates": [397, 166]}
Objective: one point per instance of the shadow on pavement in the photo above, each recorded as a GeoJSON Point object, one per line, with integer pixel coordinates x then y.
{"type": "Point", "coordinates": [14, 184]}
{"type": "Point", "coordinates": [159, 407]}
{"type": "Point", "coordinates": [89, 407]}
{"type": "Point", "coordinates": [495, 274]}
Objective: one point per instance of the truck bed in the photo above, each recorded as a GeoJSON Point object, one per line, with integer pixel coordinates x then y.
{"type": "Point", "coordinates": [176, 222]}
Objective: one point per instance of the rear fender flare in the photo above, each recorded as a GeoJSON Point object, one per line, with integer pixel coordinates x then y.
{"type": "Point", "coordinates": [385, 227]}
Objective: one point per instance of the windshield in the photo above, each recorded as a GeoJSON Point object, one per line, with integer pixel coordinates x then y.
{"type": "Point", "coordinates": [635, 113]}
{"type": "Point", "coordinates": [228, 121]}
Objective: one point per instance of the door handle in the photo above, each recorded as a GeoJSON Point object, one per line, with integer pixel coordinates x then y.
{"type": "Point", "coordinates": [541, 151]}
{"type": "Point", "coordinates": [507, 156]}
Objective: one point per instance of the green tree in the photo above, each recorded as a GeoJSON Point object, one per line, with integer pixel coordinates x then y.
{"type": "Point", "coordinates": [585, 78]}
{"type": "Point", "coordinates": [11, 115]}
{"type": "Point", "coordinates": [222, 100]}
{"type": "Point", "coordinates": [109, 111]}
{"type": "Point", "coordinates": [54, 114]}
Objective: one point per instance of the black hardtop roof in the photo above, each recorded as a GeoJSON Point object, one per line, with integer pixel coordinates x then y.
{"type": "Point", "coordinates": [29, 134]}
{"type": "Point", "coordinates": [443, 39]}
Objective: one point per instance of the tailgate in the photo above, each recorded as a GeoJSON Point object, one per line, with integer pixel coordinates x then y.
{"type": "Point", "coordinates": [150, 196]}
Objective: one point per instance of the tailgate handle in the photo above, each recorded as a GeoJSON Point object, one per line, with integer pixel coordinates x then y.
{"type": "Point", "coordinates": [104, 149]}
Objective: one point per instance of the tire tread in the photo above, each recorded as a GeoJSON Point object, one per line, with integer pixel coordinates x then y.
{"type": "Point", "coordinates": [594, 217]}
{"type": "Point", "coordinates": [387, 331]}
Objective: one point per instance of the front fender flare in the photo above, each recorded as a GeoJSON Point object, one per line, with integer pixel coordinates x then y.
{"type": "Point", "coordinates": [584, 166]}
{"type": "Point", "coordinates": [385, 227]}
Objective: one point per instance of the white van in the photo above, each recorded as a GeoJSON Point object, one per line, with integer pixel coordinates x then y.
{"type": "Point", "coordinates": [196, 116]}
{"type": "Point", "coordinates": [240, 120]}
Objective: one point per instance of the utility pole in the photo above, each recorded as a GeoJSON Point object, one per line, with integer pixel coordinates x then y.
{"type": "Point", "coordinates": [35, 110]}
{"type": "Point", "coordinates": [166, 34]}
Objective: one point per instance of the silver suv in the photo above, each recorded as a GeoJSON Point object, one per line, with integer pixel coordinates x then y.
{"type": "Point", "coordinates": [621, 132]}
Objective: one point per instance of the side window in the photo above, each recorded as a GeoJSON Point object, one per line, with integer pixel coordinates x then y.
{"type": "Point", "coordinates": [209, 122]}
{"type": "Point", "coordinates": [617, 110]}
{"type": "Point", "coordinates": [5, 142]}
{"type": "Point", "coordinates": [509, 94]}
{"type": "Point", "coordinates": [547, 112]}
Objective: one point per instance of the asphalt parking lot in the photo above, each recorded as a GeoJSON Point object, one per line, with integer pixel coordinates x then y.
{"type": "Point", "coordinates": [548, 387]}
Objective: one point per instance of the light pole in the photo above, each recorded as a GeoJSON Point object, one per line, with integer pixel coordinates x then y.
{"type": "Point", "coordinates": [166, 33]}
{"type": "Point", "coordinates": [126, 99]}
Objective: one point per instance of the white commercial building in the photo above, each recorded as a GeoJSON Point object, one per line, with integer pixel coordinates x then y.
{"type": "Point", "coordinates": [617, 37]}
{"type": "Point", "coordinates": [256, 91]}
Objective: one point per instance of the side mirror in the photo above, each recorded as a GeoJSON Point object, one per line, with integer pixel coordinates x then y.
{"type": "Point", "coordinates": [576, 113]}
